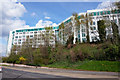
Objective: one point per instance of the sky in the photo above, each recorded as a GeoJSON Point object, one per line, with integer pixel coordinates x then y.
{"type": "Point", "coordinates": [38, 14]}
{"type": "Point", "coordinates": [56, 11]}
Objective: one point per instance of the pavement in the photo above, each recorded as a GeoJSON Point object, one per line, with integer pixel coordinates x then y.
{"type": "Point", "coordinates": [15, 74]}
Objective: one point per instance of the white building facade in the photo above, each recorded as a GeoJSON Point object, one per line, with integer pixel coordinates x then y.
{"type": "Point", "coordinates": [19, 36]}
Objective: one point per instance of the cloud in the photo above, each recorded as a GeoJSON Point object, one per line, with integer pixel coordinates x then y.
{"type": "Point", "coordinates": [45, 23]}
{"type": "Point", "coordinates": [33, 14]}
{"type": "Point", "coordinates": [11, 12]}
{"type": "Point", "coordinates": [105, 4]}
{"type": "Point", "coordinates": [47, 17]}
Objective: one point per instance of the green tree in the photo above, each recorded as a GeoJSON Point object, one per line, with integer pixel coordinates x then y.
{"type": "Point", "coordinates": [27, 50]}
{"type": "Point", "coordinates": [117, 4]}
{"type": "Point", "coordinates": [37, 57]}
{"type": "Point", "coordinates": [101, 30]}
{"type": "Point", "coordinates": [76, 26]}
{"type": "Point", "coordinates": [48, 37]}
{"type": "Point", "coordinates": [13, 57]}
{"type": "Point", "coordinates": [116, 38]}
{"type": "Point", "coordinates": [62, 33]}
{"type": "Point", "coordinates": [85, 21]}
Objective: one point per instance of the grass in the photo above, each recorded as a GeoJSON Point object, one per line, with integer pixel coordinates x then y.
{"type": "Point", "coordinates": [4, 65]}
{"type": "Point", "coordinates": [110, 66]}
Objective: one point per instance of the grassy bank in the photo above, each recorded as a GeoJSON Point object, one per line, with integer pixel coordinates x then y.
{"type": "Point", "coordinates": [111, 66]}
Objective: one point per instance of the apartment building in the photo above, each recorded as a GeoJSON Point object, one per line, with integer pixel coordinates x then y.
{"type": "Point", "coordinates": [67, 28]}
{"type": "Point", "coordinates": [35, 35]}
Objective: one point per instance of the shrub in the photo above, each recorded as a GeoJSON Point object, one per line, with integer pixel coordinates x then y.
{"type": "Point", "coordinates": [4, 59]}
{"type": "Point", "coordinates": [112, 52]}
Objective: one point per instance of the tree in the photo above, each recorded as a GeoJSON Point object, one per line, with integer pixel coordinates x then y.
{"type": "Point", "coordinates": [70, 41]}
{"type": "Point", "coordinates": [86, 20]}
{"type": "Point", "coordinates": [65, 30]}
{"type": "Point", "coordinates": [48, 37]}
{"type": "Point", "coordinates": [27, 50]}
{"type": "Point", "coordinates": [62, 32]}
{"type": "Point", "coordinates": [37, 57]}
{"type": "Point", "coordinates": [111, 25]}
{"type": "Point", "coordinates": [22, 60]}
{"type": "Point", "coordinates": [101, 30]}
{"type": "Point", "coordinates": [116, 38]}
{"type": "Point", "coordinates": [13, 57]}
{"type": "Point", "coordinates": [117, 4]}
{"type": "Point", "coordinates": [76, 26]}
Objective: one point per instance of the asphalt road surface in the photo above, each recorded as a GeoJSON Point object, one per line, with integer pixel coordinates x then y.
{"type": "Point", "coordinates": [11, 74]}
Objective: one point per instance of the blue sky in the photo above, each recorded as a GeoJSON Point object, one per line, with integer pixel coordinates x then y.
{"type": "Point", "coordinates": [32, 13]}
{"type": "Point", "coordinates": [57, 11]}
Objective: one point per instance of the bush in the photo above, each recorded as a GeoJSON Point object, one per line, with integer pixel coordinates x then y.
{"type": "Point", "coordinates": [4, 59]}
{"type": "Point", "coordinates": [112, 52]}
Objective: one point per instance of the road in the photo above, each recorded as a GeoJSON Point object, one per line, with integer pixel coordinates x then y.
{"type": "Point", "coordinates": [17, 74]}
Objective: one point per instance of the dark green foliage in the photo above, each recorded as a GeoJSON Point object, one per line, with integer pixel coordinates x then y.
{"type": "Point", "coordinates": [70, 40]}
{"type": "Point", "coordinates": [79, 52]}
{"type": "Point", "coordinates": [117, 4]}
{"type": "Point", "coordinates": [13, 58]}
{"type": "Point", "coordinates": [111, 52]}
{"type": "Point", "coordinates": [116, 37]}
{"type": "Point", "coordinates": [4, 59]}
{"type": "Point", "coordinates": [101, 28]}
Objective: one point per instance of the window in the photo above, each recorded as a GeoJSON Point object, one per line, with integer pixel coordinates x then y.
{"type": "Point", "coordinates": [20, 33]}
{"type": "Point", "coordinates": [105, 12]}
{"type": "Point", "coordinates": [84, 39]}
{"type": "Point", "coordinates": [13, 32]}
{"type": "Point", "coordinates": [16, 36]}
{"type": "Point", "coordinates": [98, 13]}
{"type": "Point", "coordinates": [79, 36]}
{"type": "Point", "coordinates": [15, 43]}
{"type": "Point", "coordinates": [91, 28]}
{"type": "Point", "coordinates": [31, 35]}
{"type": "Point", "coordinates": [93, 38]}
{"type": "Point", "coordinates": [83, 34]}
{"type": "Point", "coordinates": [19, 42]}
{"type": "Point", "coordinates": [93, 23]}
{"type": "Point", "coordinates": [91, 14]}
{"type": "Point", "coordinates": [78, 31]}
{"type": "Point", "coordinates": [19, 36]}
{"type": "Point", "coordinates": [94, 28]}
{"type": "Point", "coordinates": [101, 13]}
{"type": "Point", "coordinates": [23, 36]}
{"type": "Point", "coordinates": [94, 13]}
{"type": "Point", "coordinates": [83, 30]}
{"type": "Point", "coordinates": [35, 32]}
{"type": "Point", "coordinates": [108, 12]}
{"type": "Point", "coordinates": [31, 32]}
